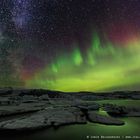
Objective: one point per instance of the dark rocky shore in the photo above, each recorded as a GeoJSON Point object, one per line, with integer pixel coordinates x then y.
{"type": "Point", "coordinates": [36, 109]}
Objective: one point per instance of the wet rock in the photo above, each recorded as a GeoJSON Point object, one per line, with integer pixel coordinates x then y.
{"type": "Point", "coordinates": [96, 118]}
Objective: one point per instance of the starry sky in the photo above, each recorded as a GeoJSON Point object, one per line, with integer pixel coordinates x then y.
{"type": "Point", "coordinates": [70, 45]}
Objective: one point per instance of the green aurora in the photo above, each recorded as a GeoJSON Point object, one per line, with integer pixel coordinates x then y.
{"type": "Point", "coordinates": [104, 66]}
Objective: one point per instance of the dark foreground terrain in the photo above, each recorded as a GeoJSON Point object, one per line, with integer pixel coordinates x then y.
{"type": "Point", "coordinates": [27, 110]}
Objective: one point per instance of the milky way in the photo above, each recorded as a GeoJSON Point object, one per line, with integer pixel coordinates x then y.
{"type": "Point", "coordinates": [20, 12]}
{"type": "Point", "coordinates": [70, 45]}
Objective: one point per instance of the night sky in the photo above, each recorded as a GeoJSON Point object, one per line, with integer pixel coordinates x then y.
{"type": "Point", "coordinates": [70, 45]}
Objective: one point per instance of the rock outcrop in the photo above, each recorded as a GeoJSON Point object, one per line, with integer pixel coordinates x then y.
{"type": "Point", "coordinates": [51, 116]}
{"type": "Point", "coordinates": [115, 110]}
{"type": "Point", "coordinates": [36, 109]}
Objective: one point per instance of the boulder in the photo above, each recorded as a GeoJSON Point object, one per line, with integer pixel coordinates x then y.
{"type": "Point", "coordinates": [97, 118]}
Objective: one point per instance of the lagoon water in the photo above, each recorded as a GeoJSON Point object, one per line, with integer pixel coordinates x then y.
{"type": "Point", "coordinates": [88, 131]}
